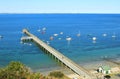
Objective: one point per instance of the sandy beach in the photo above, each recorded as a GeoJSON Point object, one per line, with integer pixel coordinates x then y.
{"type": "Point", "coordinates": [92, 67]}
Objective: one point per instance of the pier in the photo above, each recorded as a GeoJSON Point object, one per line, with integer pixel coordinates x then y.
{"type": "Point", "coordinates": [60, 57]}
{"type": "Point", "coordinates": [26, 38]}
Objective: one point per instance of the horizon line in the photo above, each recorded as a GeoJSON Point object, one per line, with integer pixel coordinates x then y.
{"type": "Point", "coordinates": [59, 13]}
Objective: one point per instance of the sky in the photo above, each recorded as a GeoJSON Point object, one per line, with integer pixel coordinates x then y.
{"type": "Point", "coordinates": [60, 6]}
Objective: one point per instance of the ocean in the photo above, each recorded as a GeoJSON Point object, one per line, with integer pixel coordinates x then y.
{"type": "Point", "coordinates": [81, 49]}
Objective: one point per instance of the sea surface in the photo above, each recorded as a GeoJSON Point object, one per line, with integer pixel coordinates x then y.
{"type": "Point", "coordinates": [81, 49]}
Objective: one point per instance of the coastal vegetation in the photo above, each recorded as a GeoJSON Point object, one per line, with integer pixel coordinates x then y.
{"type": "Point", "coordinates": [56, 74]}
{"type": "Point", "coordinates": [17, 70]}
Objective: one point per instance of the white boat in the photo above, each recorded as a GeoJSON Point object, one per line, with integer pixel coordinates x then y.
{"type": "Point", "coordinates": [113, 36]}
{"type": "Point", "coordinates": [55, 34]}
{"type": "Point", "coordinates": [61, 33]}
{"type": "Point", "coordinates": [94, 38]}
{"type": "Point", "coordinates": [44, 29]}
{"type": "Point", "coordinates": [104, 35]}
{"type": "Point", "coordinates": [68, 39]}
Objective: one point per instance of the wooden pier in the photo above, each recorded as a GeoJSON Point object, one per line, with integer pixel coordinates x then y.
{"type": "Point", "coordinates": [63, 59]}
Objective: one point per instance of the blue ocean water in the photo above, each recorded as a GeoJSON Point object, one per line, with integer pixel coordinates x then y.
{"type": "Point", "coordinates": [80, 49]}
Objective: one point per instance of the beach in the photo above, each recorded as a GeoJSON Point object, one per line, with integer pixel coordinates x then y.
{"type": "Point", "coordinates": [91, 67]}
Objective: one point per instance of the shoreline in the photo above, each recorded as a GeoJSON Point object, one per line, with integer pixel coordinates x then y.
{"type": "Point", "coordinates": [88, 65]}
{"type": "Point", "coordinates": [91, 66]}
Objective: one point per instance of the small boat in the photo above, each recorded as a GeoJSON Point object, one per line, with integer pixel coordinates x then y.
{"type": "Point", "coordinates": [61, 33]}
{"type": "Point", "coordinates": [104, 35]}
{"type": "Point", "coordinates": [44, 29]}
{"type": "Point", "coordinates": [51, 38]}
{"type": "Point", "coordinates": [114, 36]}
{"type": "Point", "coordinates": [1, 36]}
{"type": "Point", "coordinates": [94, 38]}
{"type": "Point", "coordinates": [59, 38]}
{"type": "Point", "coordinates": [68, 39]}
{"type": "Point", "coordinates": [55, 34]}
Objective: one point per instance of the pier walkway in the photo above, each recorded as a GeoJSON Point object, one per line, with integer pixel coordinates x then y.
{"type": "Point", "coordinates": [63, 59]}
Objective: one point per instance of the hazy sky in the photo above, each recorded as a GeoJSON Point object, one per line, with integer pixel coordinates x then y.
{"type": "Point", "coordinates": [59, 6]}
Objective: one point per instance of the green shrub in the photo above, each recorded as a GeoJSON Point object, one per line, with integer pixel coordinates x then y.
{"type": "Point", "coordinates": [56, 74]}
{"type": "Point", "coordinates": [15, 70]}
